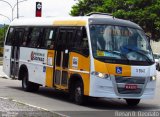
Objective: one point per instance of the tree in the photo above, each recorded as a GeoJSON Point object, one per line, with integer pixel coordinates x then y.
{"type": "Point", "coordinates": [146, 13]}
{"type": "Point", "coordinates": [86, 6]}
{"type": "Point", "coordinates": [2, 34]}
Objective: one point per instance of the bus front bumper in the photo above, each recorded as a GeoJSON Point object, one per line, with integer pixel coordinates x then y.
{"type": "Point", "coordinates": [108, 88]}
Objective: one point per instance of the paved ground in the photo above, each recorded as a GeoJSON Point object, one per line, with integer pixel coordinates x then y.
{"type": "Point", "coordinates": [56, 101]}
{"type": "Point", "coordinates": [11, 108]}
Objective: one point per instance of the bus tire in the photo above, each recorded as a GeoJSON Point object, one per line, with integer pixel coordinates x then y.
{"type": "Point", "coordinates": [27, 85]}
{"type": "Point", "coordinates": [132, 102]}
{"type": "Point", "coordinates": [78, 93]}
{"type": "Point", "coordinates": [158, 67]}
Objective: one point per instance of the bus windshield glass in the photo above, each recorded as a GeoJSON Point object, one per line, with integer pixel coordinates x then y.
{"type": "Point", "coordinates": [118, 42]}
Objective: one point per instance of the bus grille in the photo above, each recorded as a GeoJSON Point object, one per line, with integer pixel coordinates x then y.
{"type": "Point", "coordinates": [124, 91]}
{"type": "Point", "coordinates": [129, 80]}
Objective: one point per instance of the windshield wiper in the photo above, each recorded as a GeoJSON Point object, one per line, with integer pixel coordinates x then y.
{"type": "Point", "coordinates": [140, 53]}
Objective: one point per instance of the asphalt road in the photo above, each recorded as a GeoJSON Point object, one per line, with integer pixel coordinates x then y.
{"type": "Point", "coordinates": [53, 100]}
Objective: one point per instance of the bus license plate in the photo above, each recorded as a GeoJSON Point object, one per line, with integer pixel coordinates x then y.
{"type": "Point", "coordinates": [130, 86]}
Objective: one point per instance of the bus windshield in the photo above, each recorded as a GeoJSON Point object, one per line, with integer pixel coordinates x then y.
{"type": "Point", "coordinates": [119, 42]}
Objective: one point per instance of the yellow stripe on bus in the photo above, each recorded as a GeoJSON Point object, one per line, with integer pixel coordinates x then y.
{"type": "Point", "coordinates": [110, 68]}
{"type": "Point", "coordinates": [49, 70]}
{"type": "Point", "coordinates": [70, 23]}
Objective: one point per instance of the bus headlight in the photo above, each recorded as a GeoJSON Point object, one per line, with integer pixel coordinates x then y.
{"type": "Point", "coordinates": [100, 75]}
{"type": "Point", "coordinates": [153, 78]}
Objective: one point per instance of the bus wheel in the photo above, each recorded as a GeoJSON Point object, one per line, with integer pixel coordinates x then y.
{"type": "Point", "coordinates": [78, 93]}
{"type": "Point", "coordinates": [29, 86]}
{"type": "Point", "coordinates": [132, 102]}
{"type": "Point", "coordinates": [158, 67]}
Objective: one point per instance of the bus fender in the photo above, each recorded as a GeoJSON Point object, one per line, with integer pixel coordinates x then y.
{"type": "Point", "coordinates": [74, 78]}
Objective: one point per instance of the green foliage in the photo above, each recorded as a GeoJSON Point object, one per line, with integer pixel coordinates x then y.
{"type": "Point", "coordinates": [146, 13]}
{"type": "Point", "coordinates": [2, 33]}
{"type": "Point", "coordinates": [86, 6]}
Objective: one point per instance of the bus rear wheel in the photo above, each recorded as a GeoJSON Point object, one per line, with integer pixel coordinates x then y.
{"type": "Point", "coordinates": [132, 102]}
{"type": "Point", "coordinates": [29, 86]}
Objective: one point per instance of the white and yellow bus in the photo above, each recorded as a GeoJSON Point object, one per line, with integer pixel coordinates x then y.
{"type": "Point", "coordinates": [96, 56]}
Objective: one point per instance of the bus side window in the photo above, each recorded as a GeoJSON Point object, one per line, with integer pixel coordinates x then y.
{"type": "Point", "coordinates": [34, 37]}
{"type": "Point", "coordinates": [81, 42]}
{"type": "Point", "coordinates": [84, 41]}
{"type": "Point", "coordinates": [25, 38]}
{"type": "Point", "coordinates": [70, 39]}
{"type": "Point", "coordinates": [28, 36]}
{"type": "Point", "coordinates": [24, 42]}
{"type": "Point", "coordinates": [9, 36]}
{"type": "Point", "coordinates": [49, 38]}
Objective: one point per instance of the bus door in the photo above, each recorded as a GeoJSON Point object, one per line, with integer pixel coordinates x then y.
{"type": "Point", "coordinates": [15, 50]}
{"type": "Point", "coordinates": [62, 58]}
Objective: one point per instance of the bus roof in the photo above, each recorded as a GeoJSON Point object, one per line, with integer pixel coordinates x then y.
{"type": "Point", "coordinates": [73, 21]}
{"type": "Point", "coordinates": [49, 21]}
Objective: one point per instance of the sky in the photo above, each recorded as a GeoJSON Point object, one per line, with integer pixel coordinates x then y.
{"type": "Point", "coordinates": [50, 8]}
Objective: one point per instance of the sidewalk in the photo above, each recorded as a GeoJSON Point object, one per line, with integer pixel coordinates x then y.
{"type": "Point", "coordinates": [14, 108]}
{"type": "Point", "coordinates": [11, 108]}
